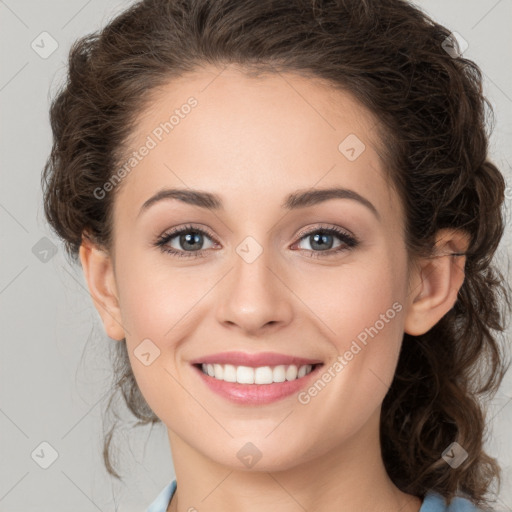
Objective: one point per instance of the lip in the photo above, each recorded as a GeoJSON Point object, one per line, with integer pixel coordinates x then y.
{"type": "Point", "coordinates": [255, 394]}
{"type": "Point", "coordinates": [254, 360]}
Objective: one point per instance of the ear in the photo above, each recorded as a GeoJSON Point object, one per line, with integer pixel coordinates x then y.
{"type": "Point", "coordinates": [99, 274]}
{"type": "Point", "coordinates": [435, 282]}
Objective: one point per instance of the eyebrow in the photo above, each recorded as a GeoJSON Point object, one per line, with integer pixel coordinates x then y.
{"type": "Point", "coordinates": [294, 201]}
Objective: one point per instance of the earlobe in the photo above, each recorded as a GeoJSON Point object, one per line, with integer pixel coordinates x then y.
{"type": "Point", "coordinates": [99, 274]}
{"type": "Point", "coordinates": [436, 282]}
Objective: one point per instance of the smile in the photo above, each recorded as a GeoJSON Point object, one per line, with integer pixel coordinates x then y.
{"type": "Point", "coordinates": [256, 378]}
{"type": "Point", "coordinates": [257, 375]}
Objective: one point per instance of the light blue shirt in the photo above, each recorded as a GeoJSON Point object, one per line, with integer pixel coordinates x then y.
{"type": "Point", "coordinates": [433, 502]}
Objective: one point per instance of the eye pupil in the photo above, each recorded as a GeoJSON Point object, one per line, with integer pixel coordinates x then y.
{"type": "Point", "coordinates": [188, 239]}
{"type": "Point", "coordinates": [319, 239]}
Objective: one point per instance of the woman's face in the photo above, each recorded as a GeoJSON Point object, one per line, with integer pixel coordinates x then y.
{"type": "Point", "coordinates": [265, 277]}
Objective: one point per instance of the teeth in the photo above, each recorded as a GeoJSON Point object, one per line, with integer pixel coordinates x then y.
{"type": "Point", "coordinates": [229, 373]}
{"type": "Point", "coordinates": [218, 370]}
{"type": "Point", "coordinates": [259, 375]}
{"type": "Point", "coordinates": [291, 372]}
{"type": "Point", "coordinates": [244, 375]}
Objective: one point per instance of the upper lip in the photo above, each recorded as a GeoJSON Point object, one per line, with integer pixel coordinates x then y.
{"type": "Point", "coordinates": [254, 360]}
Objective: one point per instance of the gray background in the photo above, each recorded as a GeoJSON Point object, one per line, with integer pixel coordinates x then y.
{"type": "Point", "coordinates": [55, 370]}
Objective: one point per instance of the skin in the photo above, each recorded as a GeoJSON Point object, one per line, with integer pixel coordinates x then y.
{"type": "Point", "coordinates": [253, 141]}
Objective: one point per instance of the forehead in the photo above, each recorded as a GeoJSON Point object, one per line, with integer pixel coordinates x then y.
{"type": "Point", "coordinates": [257, 137]}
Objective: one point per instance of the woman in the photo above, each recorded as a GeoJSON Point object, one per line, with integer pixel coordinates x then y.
{"type": "Point", "coordinates": [286, 218]}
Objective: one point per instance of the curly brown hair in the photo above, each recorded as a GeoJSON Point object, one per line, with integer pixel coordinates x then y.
{"type": "Point", "coordinates": [433, 125]}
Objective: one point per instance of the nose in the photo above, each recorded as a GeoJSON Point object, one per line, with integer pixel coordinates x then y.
{"type": "Point", "coordinates": [255, 297]}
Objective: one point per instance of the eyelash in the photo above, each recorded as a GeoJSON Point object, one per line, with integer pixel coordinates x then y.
{"type": "Point", "coordinates": [349, 242]}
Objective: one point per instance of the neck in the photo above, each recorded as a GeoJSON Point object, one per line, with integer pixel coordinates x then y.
{"type": "Point", "coordinates": [350, 477]}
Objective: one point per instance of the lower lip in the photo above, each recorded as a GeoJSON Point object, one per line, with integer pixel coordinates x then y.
{"type": "Point", "coordinates": [256, 394]}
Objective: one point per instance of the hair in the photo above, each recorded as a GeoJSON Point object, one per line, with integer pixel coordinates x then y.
{"type": "Point", "coordinates": [433, 123]}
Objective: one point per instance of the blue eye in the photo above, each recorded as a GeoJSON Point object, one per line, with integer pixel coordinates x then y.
{"type": "Point", "coordinates": [191, 240]}
{"type": "Point", "coordinates": [188, 237]}
{"type": "Point", "coordinates": [322, 237]}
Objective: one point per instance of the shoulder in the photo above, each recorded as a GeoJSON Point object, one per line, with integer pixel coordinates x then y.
{"type": "Point", "coordinates": [434, 502]}
{"type": "Point", "coordinates": [163, 499]}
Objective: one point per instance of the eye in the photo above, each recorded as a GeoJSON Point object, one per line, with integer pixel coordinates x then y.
{"type": "Point", "coordinates": [184, 242]}
{"type": "Point", "coordinates": [321, 240]}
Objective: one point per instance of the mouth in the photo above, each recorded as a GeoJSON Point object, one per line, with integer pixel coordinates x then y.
{"type": "Point", "coordinates": [256, 375]}
{"type": "Point", "coordinates": [255, 379]}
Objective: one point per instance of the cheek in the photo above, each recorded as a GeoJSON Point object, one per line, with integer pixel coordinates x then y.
{"type": "Point", "coordinates": [360, 312]}
{"type": "Point", "coordinates": [164, 304]}
{"type": "Point", "coordinates": [370, 308]}
{"type": "Point", "coordinates": [157, 308]}
{"type": "Point", "coordinates": [350, 299]}
{"type": "Point", "coordinates": [374, 314]}
{"type": "Point", "coordinates": [156, 298]}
